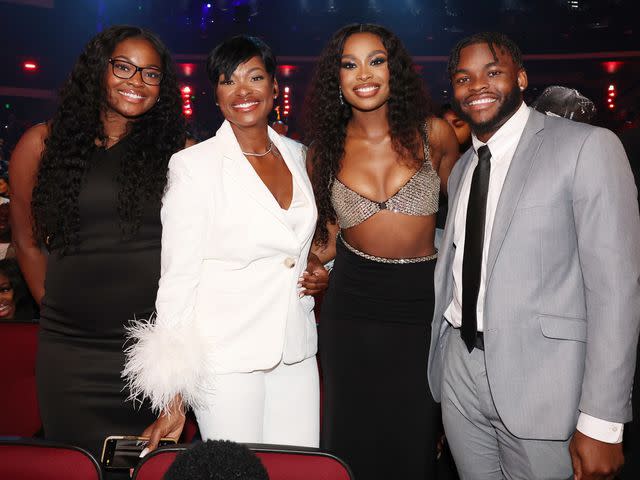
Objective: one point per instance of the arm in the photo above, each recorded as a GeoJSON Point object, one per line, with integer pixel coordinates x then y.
{"type": "Point", "coordinates": [608, 230]}
{"type": "Point", "coordinates": [168, 358]}
{"type": "Point", "coordinates": [444, 149]}
{"type": "Point", "coordinates": [23, 172]}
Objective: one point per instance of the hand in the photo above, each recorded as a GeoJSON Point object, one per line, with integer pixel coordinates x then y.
{"type": "Point", "coordinates": [594, 460]}
{"type": "Point", "coordinates": [168, 425]}
{"type": "Point", "coordinates": [315, 278]}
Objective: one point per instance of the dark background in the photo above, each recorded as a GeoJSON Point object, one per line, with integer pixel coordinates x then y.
{"type": "Point", "coordinates": [585, 44]}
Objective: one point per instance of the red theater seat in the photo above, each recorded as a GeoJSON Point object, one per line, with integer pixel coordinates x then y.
{"type": "Point", "coordinates": [281, 462]}
{"type": "Point", "coordinates": [19, 414]}
{"type": "Point", "coordinates": [156, 464]}
{"type": "Point", "coordinates": [298, 463]}
{"type": "Point", "coordinates": [35, 460]}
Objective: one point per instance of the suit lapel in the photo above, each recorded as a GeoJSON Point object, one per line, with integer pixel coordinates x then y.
{"type": "Point", "coordinates": [519, 170]}
{"type": "Point", "coordinates": [443, 276]}
{"type": "Point", "coordinates": [300, 178]}
{"type": "Point", "coordinates": [238, 167]}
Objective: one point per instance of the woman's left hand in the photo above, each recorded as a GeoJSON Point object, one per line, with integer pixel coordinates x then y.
{"type": "Point", "coordinates": [315, 278]}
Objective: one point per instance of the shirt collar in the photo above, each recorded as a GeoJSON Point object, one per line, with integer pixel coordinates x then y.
{"type": "Point", "coordinates": [507, 134]}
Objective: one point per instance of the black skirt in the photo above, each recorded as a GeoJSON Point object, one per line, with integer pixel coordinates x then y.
{"type": "Point", "coordinates": [378, 413]}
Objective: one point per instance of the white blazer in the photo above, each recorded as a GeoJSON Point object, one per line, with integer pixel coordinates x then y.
{"type": "Point", "coordinates": [227, 299]}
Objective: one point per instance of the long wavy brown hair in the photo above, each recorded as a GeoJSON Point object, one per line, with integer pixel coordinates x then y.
{"type": "Point", "coordinates": [77, 124]}
{"type": "Point", "coordinates": [326, 118]}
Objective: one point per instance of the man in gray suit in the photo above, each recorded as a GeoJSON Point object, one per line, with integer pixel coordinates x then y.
{"type": "Point", "coordinates": [537, 287]}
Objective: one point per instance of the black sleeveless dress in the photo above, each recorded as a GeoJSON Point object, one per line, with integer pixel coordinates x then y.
{"type": "Point", "coordinates": [90, 295]}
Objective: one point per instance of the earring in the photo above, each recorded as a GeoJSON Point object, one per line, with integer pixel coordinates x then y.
{"type": "Point", "coordinates": [157, 99]}
{"type": "Point", "coordinates": [340, 96]}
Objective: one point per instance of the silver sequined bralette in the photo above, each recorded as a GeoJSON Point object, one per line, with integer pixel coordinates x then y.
{"type": "Point", "coordinates": [419, 196]}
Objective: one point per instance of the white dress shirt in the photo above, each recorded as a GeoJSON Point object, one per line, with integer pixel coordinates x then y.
{"type": "Point", "coordinates": [502, 145]}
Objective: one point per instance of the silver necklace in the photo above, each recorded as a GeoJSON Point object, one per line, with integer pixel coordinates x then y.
{"type": "Point", "coordinates": [252, 154]}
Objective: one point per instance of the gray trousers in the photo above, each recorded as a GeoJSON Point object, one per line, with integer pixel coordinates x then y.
{"type": "Point", "coordinates": [482, 447]}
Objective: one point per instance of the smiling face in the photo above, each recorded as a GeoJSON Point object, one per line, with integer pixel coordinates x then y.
{"type": "Point", "coordinates": [487, 90]}
{"type": "Point", "coordinates": [364, 73]}
{"type": "Point", "coordinates": [7, 303]}
{"type": "Point", "coordinates": [246, 98]}
{"type": "Point", "coordinates": [131, 98]}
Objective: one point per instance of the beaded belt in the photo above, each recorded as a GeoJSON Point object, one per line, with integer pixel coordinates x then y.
{"type": "Point", "coordinates": [387, 260]}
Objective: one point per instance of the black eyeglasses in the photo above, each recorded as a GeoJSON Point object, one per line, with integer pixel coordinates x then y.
{"type": "Point", "coordinates": [126, 70]}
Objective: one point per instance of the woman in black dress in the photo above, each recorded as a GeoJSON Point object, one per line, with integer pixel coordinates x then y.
{"type": "Point", "coordinates": [90, 182]}
{"type": "Point", "coordinates": [378, 161]}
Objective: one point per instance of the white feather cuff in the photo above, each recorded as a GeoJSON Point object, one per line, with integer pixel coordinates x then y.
{"type": "Point", "coordinates": [163, 361]}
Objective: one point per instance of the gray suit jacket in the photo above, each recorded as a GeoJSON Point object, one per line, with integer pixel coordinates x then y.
{"type": "Point", "coordinates": [562, 305]}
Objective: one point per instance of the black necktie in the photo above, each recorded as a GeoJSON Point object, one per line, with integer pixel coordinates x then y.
{"type": "Point", "coordinates": [473, 240]}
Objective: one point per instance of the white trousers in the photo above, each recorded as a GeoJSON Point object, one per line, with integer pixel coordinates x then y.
{"type": "Point", "coordinates": [276, 406]}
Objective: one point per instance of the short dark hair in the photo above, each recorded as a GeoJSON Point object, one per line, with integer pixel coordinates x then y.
{"type": "Point", "coordinates": [217, 460]}
{"type": "Point", "coordinates": [225, 58]}
{"type": "Point", "coordinates": [492, 39]}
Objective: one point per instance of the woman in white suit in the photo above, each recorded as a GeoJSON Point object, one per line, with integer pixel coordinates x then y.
{"type": "Point", "coordinates": [234, 335]}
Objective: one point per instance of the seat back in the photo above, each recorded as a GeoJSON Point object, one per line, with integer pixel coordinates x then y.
{"type": "Point", "coordinates": [298, 463]}
{"type": "Point", "coordinates": [281, 462]}
{"type": "Point", "coordinates": [19, 415]}
{"type": "Point", "coordinates": [155, 465]}
{"type": "Point", "coordinates": [35, 460]}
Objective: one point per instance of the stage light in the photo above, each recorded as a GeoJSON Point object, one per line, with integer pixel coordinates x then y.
{"type": "Point", "coordinates": [187, 108]}
{"type": "Point", "coordinates": [286, 70]}
{"type": "Point", "coordinates": [612, 67]}
{"type": "Point", "coordinates": [286, 89]}
{"type": "Point", "coordinates": [208, 5]}
{"type": "Point", "coordinates": [30, 66]}
{"type": "Point", "coordinates": [188, 69]}
{"type": "Point", "coordinates": [611, 94]}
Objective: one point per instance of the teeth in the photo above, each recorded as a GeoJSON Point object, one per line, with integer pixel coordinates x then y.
{"type": "Point", "coordinates": [366, 89]}
{"type": "Point", "coordinates": [482, 101]}
{"type": "Point", "coordinates": [131, 95]}
{"type": "Point", "coordinates": [245, 105]}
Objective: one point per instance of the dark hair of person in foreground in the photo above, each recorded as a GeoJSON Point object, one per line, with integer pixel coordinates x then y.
{"type": "Point", "coordinates": [217, 460]}
{"type": "Point", "coordinates": [76, 126]}
{"type": "Point", "coordinates": [327, 117]}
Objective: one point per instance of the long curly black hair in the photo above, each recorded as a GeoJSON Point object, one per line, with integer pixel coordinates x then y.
{"type": "Point", "coordinates": [326, 118]}
{"type": "Point", "coordinates": [77, 125]}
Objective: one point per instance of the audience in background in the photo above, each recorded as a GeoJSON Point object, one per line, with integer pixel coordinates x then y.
{"type": "Point", "coordinates": [460, 127]}
{"type": "Point", "coordinates": [281, 127]}
{"type": "Point", "coordinates": [5, 232]}
{"type": "Point", "coordinates": [565, 102]}
{"type": "Point", "coordinates": [16, 302]}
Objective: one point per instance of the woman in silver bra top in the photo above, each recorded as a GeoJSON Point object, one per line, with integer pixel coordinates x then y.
{"type": "Point", "coordinates": [378, 161]}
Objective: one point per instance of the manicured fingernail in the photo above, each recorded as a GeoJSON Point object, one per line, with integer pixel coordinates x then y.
{"type": "Point", "coordinates": [301, 294]}
{"type": "Point", "coordinates": [305, 273]}
{"type": "Point", "coordinates": [144, 452]}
